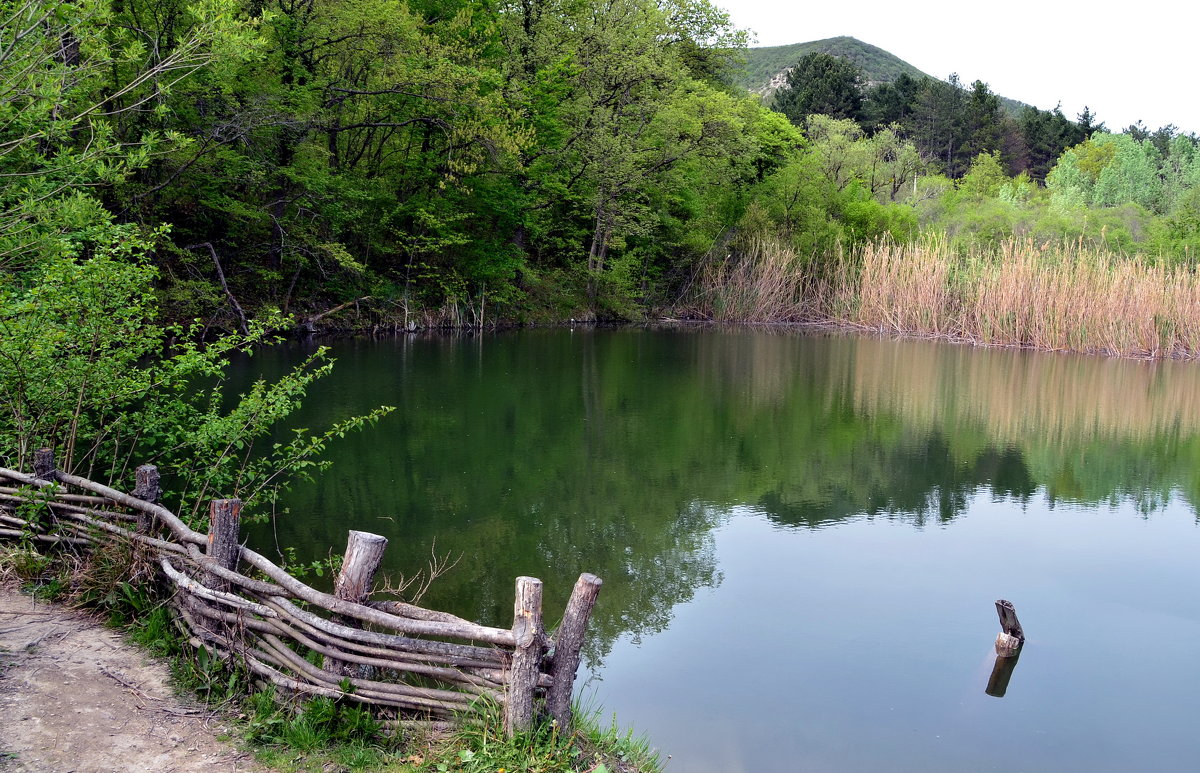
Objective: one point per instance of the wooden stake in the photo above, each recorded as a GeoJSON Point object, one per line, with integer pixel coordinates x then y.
{"type": "Point", "coordinates": [567, 645]}
{"type": "Point", "coordinates": [224, 526]}
{"type": "Point", "coordinates": [527, 658]}
{"type": "Point", "coordinates": [44, 467]}
{"type": "Point", "coordinates": [1008, 619]}
{"type": "Point", "coordinates": [147, 490]}
{"type": "Point", "coordinates": [1007, 646]}
{"type": "Point", "coordinates": [364, 552]}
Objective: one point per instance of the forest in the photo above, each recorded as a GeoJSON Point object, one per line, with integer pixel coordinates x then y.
{"type": "Point", "coordinates": [416, 163]}
{"type": "Point", "coordinates": [183, 182]}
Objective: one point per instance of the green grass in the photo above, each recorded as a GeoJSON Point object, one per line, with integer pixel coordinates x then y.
{"type": "Point", "coordinates": [594, 746]}
{"type": "Point", "coordinates": [317, 734]}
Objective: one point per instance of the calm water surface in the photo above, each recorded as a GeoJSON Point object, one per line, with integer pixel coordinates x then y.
{"type": "Point", "coordinates": [801, 537]}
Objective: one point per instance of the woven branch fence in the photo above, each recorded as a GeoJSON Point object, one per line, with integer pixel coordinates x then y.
{"type": "Point", "coordinates": [426, 666]}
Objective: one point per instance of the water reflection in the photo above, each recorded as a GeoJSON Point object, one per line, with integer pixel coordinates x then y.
{"type": "Point", "coordinates": [549, 453]}
{"type": "Point", "coordinates": [1002, 672]}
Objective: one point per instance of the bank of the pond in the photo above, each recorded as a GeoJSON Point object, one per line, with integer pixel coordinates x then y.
{"type": "Point", "coordinates": [79, 695]}
{"type": "Point", "coordinates": [1066, 297]}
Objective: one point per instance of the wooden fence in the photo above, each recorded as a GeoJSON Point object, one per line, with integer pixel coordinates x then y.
{"type": "Point", "coordinates": [428, 666]}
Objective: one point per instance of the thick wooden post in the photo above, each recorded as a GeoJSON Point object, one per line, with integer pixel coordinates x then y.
{"type": "Point", "coordinates": [1009, 642]}
{"type": "Point", "coordinates": [224, 526]}
{"type": "Point", "coordinates": [567, 645]}
{"type": "Point", "coordinates": [364, 552]}
{"type": "Point", "coordinates": [527, 658]}
{"type": "Point", "coordinates": [44, 467]}
{"type": "Point", "coordinates": [147, 490]}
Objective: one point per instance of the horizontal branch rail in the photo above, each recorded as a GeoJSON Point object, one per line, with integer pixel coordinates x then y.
{"type": "Point", "coordinates": [390, 654]}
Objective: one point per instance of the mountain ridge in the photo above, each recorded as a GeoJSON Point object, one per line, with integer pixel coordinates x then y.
{"type": "Point", "coordinates": [767, 66]}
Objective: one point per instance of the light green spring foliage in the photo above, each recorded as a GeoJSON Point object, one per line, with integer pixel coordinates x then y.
{"type": "Point", "coordinates": [985, 178]}
{"type": "Point", "coordinates": [88, 367]}
{"type": "Point", "coordinates": [842, 189]}
{"type": "Point", "coordinates": [88, 371]}
{"type": "Point", "coordinates": [1113, 169]}
{"type": "Point", "coordinates": [69, 75]}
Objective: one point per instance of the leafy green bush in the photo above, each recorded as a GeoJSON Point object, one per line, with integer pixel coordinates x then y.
{"type": "Point", "coordinates": [86, 369]}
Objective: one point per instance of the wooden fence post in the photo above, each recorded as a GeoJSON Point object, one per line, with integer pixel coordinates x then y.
{"type": "Point", "coordinates": [44, 467]}
{"type": "Point", "coordinates": [567, 645]}
{"type": "Point", "coordinates": [527, 658]}
{"type": "Point", "coordinates": [364, 552]}
{"type": "Point", "coordinates": [147, 490]}
{"type": "Point", "coordinates": [1009, 642]}
{"type": "Point", "coordinates": [224, 526]}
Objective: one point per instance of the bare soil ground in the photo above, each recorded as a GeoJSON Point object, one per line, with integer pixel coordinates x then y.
{"type": "Point", "coordinates": [75, 697]}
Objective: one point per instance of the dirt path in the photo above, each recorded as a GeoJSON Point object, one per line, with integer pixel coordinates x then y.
{"type": "Point", "coordinates": [75, 697]}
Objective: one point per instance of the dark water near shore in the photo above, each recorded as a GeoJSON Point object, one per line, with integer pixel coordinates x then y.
{"type": "Point", "coordinates": [801, 537]}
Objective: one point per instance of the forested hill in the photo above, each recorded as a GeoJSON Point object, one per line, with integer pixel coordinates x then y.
{"type": "Point", "coordinates": [765, 67]}
{"type": "Point", "coordinates": [763, 64]}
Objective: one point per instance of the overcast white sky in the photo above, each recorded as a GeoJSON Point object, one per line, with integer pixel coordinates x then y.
{"type": "Point", "coordinates": [1126, 61]}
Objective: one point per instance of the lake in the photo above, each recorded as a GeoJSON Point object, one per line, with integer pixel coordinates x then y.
{"type": "Point", "coordinates": [801, 536]}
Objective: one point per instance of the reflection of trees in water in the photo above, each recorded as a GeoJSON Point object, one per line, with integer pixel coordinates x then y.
{"type": "Point", "coordinates": [550, 453]}
{"type": "Point", "coordinates": [918, 483]}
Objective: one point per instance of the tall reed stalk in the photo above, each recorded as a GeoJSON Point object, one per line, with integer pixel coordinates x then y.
{"type": "Point", "coordinates": [1067, 297]}
{"type": "Point", "coordinates": [756, 280]}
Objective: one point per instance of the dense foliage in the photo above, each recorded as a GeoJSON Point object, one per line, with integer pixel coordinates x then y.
{"type": "Point", "coordinates": [425, 162]}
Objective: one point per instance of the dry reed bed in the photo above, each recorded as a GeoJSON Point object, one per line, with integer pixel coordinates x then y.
{"type": "Point", "coordinates": [1067, 297]}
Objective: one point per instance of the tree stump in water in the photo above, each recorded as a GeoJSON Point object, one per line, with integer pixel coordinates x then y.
{"type": "Point", "coordinates": [1009, 642]}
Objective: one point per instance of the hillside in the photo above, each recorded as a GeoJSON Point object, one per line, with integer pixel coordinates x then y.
{"type": "Point", "coordinates": [765, 66]}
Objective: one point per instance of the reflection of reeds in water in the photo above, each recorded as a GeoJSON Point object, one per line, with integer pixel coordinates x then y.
{"type": "Point", "coordinates": [1018, 396]}
{"type": "Point", "coordinates": [1068, 297]}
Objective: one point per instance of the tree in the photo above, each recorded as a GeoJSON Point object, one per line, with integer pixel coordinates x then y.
{"type": "Point", "coordinates": [87, 365]}
{"type": "Point", "coordinates": [1107, 171]}
{"type": "Point", "coordinates": [1087, 123]}
{"type": "Point", "coordinates": [985, 178]}
{"type": "Point", "coordinates": [70, 77]}
{"type": "Point", "coordinates": [883, 163]}
{"type": "Point", "coordinates": [614, 114]}
{"type": "Point", "coordinates": [821, 84]}
{"type": "Point", "coordinates": [891, 103]}
{"type": "Point", "coordinates": [1047, 134]}
{"type": "Point", "coordinates": [984, 121]}
{"type": "Point", "coordinates": [939, 126]}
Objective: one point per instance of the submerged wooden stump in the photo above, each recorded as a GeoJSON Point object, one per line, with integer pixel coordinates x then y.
{"type": "Point", "coordinates": [1008, 619]}
{"type": "Point", "coordinates": [1009, 642]}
